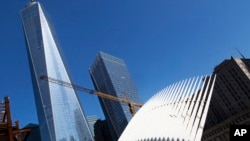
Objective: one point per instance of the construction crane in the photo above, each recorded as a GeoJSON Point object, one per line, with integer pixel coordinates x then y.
{"type": "Point", "coordinates": [8, 131]}
{"type": "Point", "coordinates": [131, 104]}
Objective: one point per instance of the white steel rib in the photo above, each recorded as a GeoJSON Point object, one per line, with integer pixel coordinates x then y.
{"type": "Point", "coordinates": [177, 113]}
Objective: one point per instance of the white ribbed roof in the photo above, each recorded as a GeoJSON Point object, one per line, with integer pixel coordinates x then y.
{"type": "Point", "coordinates": [176, 112]}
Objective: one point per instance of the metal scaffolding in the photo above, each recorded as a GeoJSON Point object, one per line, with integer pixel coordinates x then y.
{"type": "Point", "coordinates": [9, 132]}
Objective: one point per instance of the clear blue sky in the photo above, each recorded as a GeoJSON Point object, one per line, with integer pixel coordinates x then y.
{"type": "Point", "coordinates": [161, 41]}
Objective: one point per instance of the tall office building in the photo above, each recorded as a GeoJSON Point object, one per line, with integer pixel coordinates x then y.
{"type": "Point", "coordinates": [60, 115]}
{"type": "Point", "coordinates": [101, 131]}
{"type": "Point", "coordinates": [231, 91]}
{"type": "Point", "coordinates": [110, 75]}
{"type": "Point", "coordinates": [91, 121]}
{"type": "Point", "coordinates": [34, 134]}
{"type": "Point", "coordinates": [230, 103]}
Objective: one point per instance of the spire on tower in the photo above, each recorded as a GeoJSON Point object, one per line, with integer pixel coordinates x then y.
{"type": "Point", "coordinates": [240, 53]}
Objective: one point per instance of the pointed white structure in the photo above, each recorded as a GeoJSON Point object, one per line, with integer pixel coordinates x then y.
{"type": "Point", "coordinates": [59, 112]}
{"type": "Point", "coordinates": [176, 113]}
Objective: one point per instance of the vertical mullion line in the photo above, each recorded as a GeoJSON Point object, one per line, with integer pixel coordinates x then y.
{"type": "Point", "coordinates": [184, 103]}
{"type": "Point", "coordinates": [190, 103]}
{"type": "Point", "coordinates": [166, 93]}
{"type": "Point", "coordinates": [176, 96]}
{"type": "Point", "coordinates": [185, 95]}
{"type": "Point", "coordinates": [168, 109]}
{"type": "Point", "coordinates": [185, 92]}
{"type": "Point", "coordinates": [170, 95]}
{"type": "Point", "coordinates": [187, 104]}
{"type": "Point", "coordinates": [203, 118]}
{"type": "Point", "coordinates": [191, 108]}
{"type": "Point", "coordinates": [171, 106]}
{"type": "Point", "coordinates": [171, 99]}
{"type": "Point", "coordinates": [180, 95]}
{"type": "Point", "coordinates": [174, 103]}
{"type": "Point", "coordinates": [177, 105]}
{"type": "Point", "coordinates": [162, 97]}
{"type": "Point", "coordinates": [196, 108]}
{"type": "Point", "coordinates": [201, 107]}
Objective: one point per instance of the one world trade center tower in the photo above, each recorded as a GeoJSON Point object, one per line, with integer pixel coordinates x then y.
{"type": "Point", "coordinates": [59, 111]}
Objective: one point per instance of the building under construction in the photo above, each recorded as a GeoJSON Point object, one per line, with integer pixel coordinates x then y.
{"type": "Point", "coordinates": [8, 130]}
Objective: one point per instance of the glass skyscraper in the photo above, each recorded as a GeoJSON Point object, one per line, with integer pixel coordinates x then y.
{"type": "Point", "coordinates": [60, 115]}
{"type": "Point", "coordinates": [110, 75]}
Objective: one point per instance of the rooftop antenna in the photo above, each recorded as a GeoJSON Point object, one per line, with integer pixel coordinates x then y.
{"type": "Point", "coordinates": [240, 53]}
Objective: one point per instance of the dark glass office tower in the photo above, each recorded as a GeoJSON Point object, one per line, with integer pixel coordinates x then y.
{"type": "Point", "coordinates": [110, 75]}
{"type": "Point", "coordinates": [60, 115]}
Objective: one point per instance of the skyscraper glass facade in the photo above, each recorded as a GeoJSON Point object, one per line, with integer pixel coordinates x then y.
{"type": "Point", "coordinates": [110, 75]}
{"type": "Point", "coordinates": [60, 115]}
